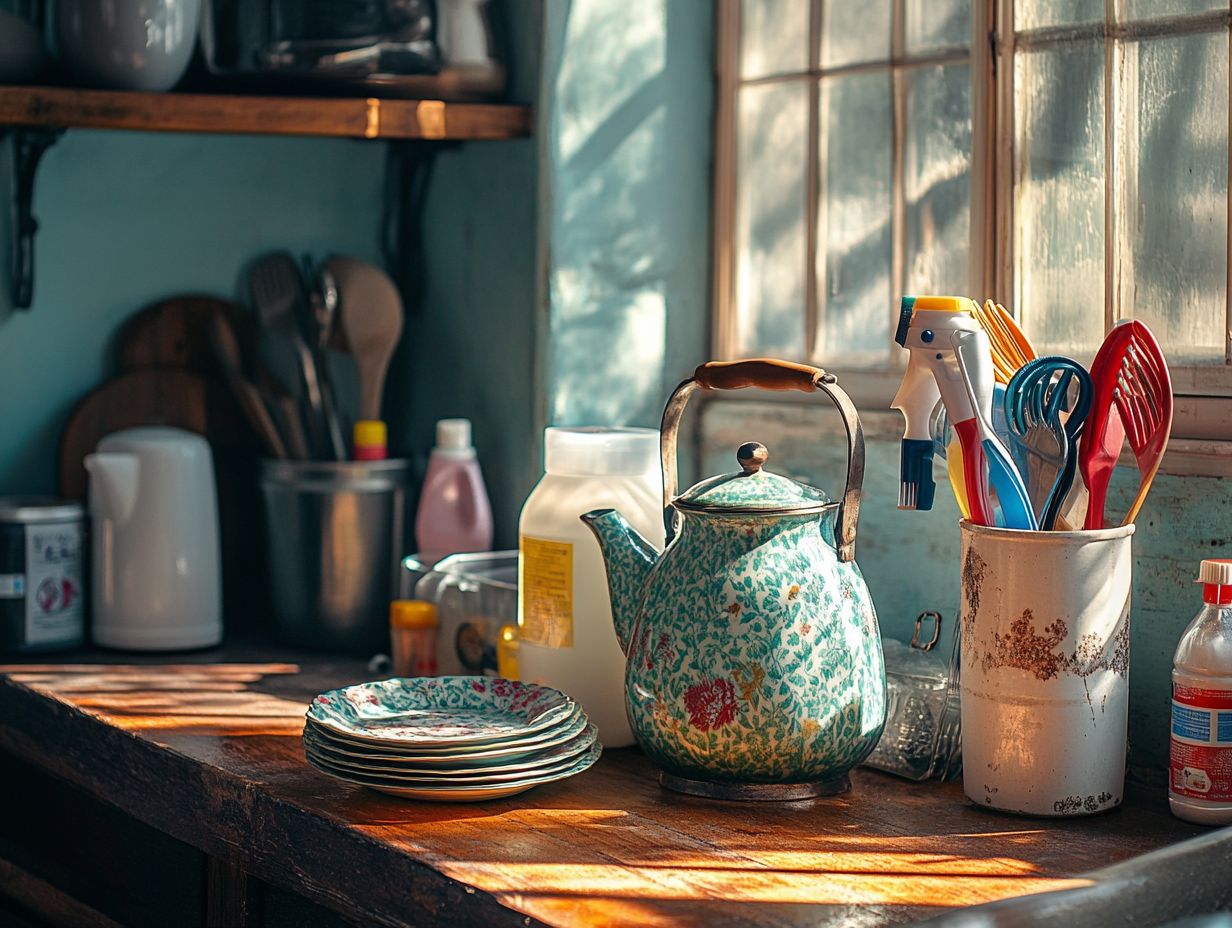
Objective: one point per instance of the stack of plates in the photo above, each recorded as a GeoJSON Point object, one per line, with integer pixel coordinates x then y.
{"type": "Point", "coordinates": [449, 739]}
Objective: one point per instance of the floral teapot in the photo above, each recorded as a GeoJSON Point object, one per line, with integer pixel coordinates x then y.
{"type": "Point", "coordinates": [754, 657]}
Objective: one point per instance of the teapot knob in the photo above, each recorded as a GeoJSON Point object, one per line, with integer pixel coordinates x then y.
{"type": "Point", "coordinates": [752, 455]}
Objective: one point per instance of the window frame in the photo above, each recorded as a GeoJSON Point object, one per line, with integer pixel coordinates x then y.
{"type": "Point", "coordinates": [1203, 392]}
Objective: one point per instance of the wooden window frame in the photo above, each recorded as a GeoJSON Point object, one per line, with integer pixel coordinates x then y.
{"type": "Point", "coordinates": [1204, 392]}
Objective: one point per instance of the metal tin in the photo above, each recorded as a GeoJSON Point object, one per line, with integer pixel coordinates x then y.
{"type": "Point", "coordinates": [42, 574]}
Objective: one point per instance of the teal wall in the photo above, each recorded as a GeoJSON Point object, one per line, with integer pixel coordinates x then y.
{"type": "Point", "coordinates": [629, 85]}
{"type": "Point", "coordinates": [128, 218]}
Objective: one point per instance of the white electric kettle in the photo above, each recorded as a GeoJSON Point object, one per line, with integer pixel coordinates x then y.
{"type": "Point", "coordinates": [155, 529]}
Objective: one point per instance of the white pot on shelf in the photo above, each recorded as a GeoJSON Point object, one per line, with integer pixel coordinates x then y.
{"type": "Point", "coordinates": [126, 44]}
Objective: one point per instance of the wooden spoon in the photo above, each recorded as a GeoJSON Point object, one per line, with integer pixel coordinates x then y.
{"type": "Point", "coordinates": [370, 319]}
{"type": "Point", "coordinates": [227, 349]}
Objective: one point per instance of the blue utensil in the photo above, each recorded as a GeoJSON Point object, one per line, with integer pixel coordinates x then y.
{"type": "Point", "coordinates": [1035, 399]}
{"type": "Point", "coordinates": [974, 368]}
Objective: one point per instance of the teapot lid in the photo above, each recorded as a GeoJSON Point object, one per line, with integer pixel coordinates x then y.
{"type": "Point", "coordinates": [752, 490]}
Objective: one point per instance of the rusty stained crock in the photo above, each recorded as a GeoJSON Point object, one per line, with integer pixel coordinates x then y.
{"type": "Point", "coordinates": [1045, 668]}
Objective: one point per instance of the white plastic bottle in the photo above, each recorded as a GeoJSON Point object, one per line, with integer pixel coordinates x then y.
{"type": "Point", "coordinates": [567, 639]}
{"type": "Point", "coordinates": [1200, 775]}
{"type": "Point", "coordinates": [454, 514]}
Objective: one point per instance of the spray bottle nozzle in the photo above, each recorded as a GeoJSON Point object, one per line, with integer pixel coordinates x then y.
{"type": "Point", "coordinates": [917, 488]}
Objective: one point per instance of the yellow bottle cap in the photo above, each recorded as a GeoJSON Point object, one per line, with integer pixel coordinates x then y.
{"type": "Point", "coordinates": [945, 304]}
{"type": "Point", "coordinates": [370, 433]}
{"type": "Point", "coordinates": [412, 613]}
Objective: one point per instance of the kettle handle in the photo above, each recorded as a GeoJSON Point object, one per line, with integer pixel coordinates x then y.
{"type": "Point", "coordinates": [769, 374]}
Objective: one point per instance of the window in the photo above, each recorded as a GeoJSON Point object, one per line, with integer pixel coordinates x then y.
{"type": "Point", "coordinates": [1071, 160]}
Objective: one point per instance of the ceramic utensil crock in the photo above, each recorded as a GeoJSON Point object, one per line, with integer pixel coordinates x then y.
{"type": "Point", "coordinates": [754, 657]}
{"type": "Point", "coordinates": [1045, 668]}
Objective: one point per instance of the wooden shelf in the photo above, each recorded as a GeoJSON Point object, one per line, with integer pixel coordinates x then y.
{"type": "Point", "coordinates": [343, 117]}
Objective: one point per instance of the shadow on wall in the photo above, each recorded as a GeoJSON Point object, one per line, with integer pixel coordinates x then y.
{"type": "Point", "coordinates": [627, 155]}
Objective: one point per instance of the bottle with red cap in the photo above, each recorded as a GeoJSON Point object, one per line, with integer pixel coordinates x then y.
{"type": "Point", "coordinates": [1200, 775]}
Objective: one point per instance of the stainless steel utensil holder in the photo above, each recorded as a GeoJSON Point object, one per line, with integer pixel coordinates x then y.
{"type": "Point", "coordinates": [334, 535]}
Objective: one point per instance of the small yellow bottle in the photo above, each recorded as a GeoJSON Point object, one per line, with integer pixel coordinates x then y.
{"type": "Point", "coordinates": [412, 634]}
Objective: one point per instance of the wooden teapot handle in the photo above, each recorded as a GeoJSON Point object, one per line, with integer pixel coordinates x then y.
{"type": "Point", "coordinates": [770, 374]}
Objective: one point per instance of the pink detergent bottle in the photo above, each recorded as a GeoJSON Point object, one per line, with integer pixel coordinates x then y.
{"type": "Point", "coordinates": [454, 514]}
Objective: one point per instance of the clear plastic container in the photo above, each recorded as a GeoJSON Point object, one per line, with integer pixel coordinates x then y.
{"type": "Point", "coordinates": [1200, 774]}
{"type": "Point", "coordinates": [922, 739]}
{"type": "Point", "coordinates": [567, 639]}
{"type": "Point", "coordinates": [476, 595]}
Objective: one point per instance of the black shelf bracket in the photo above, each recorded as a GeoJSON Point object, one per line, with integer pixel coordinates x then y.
{"type": "Point", "coordinates": [29, 146]}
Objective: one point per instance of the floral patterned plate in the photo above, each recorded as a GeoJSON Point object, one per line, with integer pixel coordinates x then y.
{"type": "Point", "coordinates": [487, 752]}
{"type": "Point", "coordinates": [485, 776]}
{"type": "Point", "coordinates": [463, 793]}
{"type": "Point", "coordinates": [441, 711]}
{"type": "Point", "coordinates": [409, 766]}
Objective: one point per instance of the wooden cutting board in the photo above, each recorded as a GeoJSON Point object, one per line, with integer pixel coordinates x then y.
{"type": "Point", "coordinates": [158, 396]}
{"type": "Point", "coordinates": [176, 333]}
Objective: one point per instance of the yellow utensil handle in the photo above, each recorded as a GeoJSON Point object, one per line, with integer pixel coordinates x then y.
{"type": "Point", "coordinates": [954, 467]}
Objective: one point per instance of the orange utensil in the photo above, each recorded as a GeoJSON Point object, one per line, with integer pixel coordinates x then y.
{"type": "Point", "coordinates": [1133, 394]}
{"type": "Point", "coordinates": [1010, 348]}
{"type": "Point", "coordinates": [1144, 403]}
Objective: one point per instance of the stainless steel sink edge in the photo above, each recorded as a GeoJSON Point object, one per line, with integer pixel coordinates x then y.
{"type": "Point", "coordinates": [1187, 879]}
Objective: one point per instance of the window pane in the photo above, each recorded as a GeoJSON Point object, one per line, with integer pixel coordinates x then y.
{"type": "Point", "coordinates": [1178, 227]}
{"type": "Point", "coordinates": [1149, 9]}
{"type": "Point", "coordinates": [854, 263]}
{"type": "Point", "coordinates": [1034, 14]}
{"type": "Point", "coordinates": [854, 30]}
{"type": "Point", "coordinates": [934, 24]}
{"type": "Point", "coordinates": [773, 37]}
{"type": "Point", "coordinates": [1059, 209]}
{"type": "Point", "coordinates": [770, 218]}
{"type": "Point", "coordinates": [937, 178]}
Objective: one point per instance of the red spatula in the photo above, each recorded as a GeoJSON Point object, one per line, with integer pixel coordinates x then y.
{"type": "Point", "coordinates": [1133, 396]}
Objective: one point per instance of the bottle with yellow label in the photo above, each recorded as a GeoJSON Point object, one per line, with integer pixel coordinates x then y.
{"type": "Point", "coordinates": [567, 639]}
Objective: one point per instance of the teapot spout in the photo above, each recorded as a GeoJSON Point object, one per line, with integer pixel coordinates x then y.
{"type": "Point", "coordinates": [628, 558]}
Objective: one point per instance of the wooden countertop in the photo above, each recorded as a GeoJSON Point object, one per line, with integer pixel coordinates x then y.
{"type": "Point", "coordinates": [210, 753]}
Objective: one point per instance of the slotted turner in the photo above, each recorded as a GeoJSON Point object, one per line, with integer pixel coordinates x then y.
{"type": "Point", "coordinates": [1144, 402]}
{"type": "Point", "coordinates": [1133, 396]}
